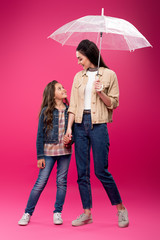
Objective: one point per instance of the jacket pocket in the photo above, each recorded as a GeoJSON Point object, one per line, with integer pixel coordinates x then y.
{"type": "Point", "coordinates": [105, 86]}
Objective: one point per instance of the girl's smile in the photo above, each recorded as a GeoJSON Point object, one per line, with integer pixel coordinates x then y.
{"type": "Point", "coordinates": [60, 92]}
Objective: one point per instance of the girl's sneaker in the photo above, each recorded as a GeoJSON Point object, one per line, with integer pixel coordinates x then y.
{"type": "Point", "coordinates": [57, 219]}
{"type": "Point", "coordinates": [25, 219]}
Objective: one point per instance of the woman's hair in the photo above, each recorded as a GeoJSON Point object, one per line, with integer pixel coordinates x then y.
{"type": "Point", "coordinates": [49, 103]}
{"type": "Point", "coordinates": [91, 51]}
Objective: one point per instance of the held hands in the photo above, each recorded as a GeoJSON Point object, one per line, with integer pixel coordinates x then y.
{"type": "Point", "coordinates": [41, 163]}
{"type": "Point", "coordinates": [67, 138]}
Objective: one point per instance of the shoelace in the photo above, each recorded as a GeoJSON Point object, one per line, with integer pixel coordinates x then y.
{"type": "Point", "coordinates": [25, 216]}
{"type": "Point", "coordinates": [79, 217]}
{"type": "Point", "coordinates": [59, 216]}
{"type": "Point", "coordinates": [122, 216]}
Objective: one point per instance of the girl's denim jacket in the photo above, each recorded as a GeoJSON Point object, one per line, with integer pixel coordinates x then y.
{"type": "Point", "coordinates": [52, 136]}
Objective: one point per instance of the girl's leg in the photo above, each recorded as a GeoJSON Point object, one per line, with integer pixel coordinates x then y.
{"type": "Point", "coordinates": [40, 184]}
{"type": "Point", "coordinates": [62, 172]}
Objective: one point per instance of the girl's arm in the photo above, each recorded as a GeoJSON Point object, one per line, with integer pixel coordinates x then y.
{"type": "Point", "coordinates": [40, 138]}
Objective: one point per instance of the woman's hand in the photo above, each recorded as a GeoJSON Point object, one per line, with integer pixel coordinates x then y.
{"type": "Point", "coordinates": [68, 136]}
{"type": "Point", "coordinates": [66, 140]}
{"type": "Point", "coordinates": [41, 163]}
{"type": "Point", "coordinates": [98, 85]}
{"type": "Point", "coordinates": [102, 95]}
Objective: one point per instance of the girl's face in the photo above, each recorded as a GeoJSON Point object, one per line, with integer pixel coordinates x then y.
{"type": "Point", "coordinates": [60, 92]}
{"type": "Point", "coordinates": [84, 61]}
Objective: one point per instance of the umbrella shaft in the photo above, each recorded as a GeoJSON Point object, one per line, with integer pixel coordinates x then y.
{"type": "Point", "coordinates": [99, 51]}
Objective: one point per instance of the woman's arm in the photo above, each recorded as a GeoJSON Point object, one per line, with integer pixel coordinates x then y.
{"type": "Point", "coordinates": [71, 118]}
{"type": "Point", "coordinates": [101, 94]}
{"type": "Point", "coordinates": [72, 109]}
{"type": "Point", "coordinates": [111, 97]}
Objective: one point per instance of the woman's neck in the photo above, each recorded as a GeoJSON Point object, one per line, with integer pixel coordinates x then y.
{"type": "Point", "coordinates": [92, 66]}
{"type": "Point", "coordinates": [93, 69]}
{"type": "Point", "coordinates": [59, 104]}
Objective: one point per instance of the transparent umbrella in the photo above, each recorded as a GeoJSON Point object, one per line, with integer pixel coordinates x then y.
{"type": "Point", "coordinates": [107, 32]}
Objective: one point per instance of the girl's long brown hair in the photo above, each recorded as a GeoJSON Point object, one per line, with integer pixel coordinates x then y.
{"type": "Point", "coordinates": [49, 103]}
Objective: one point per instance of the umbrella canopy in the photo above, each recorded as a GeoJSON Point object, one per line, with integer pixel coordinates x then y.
{"type": "Point", "coordinates": [118, 34]}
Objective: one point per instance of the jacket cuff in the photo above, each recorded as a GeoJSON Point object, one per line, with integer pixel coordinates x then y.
{"type": "Point", "coordinates": [40, 157]}
{"type": "Point", "coordinates": [114, 103]}
{"type": "Point", "coordinates": [72, 110]}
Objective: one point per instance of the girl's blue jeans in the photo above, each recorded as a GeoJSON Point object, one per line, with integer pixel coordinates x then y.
{"type": "Point", "coordinates": [61, 181]}
{"type": "Point", "coordinates": [96, 136]}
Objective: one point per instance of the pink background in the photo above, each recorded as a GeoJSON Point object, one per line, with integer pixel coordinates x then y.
{"type": "Point", "coordinates": [28, 62]}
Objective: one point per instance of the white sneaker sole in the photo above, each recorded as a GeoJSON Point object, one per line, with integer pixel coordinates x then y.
{"type": "Point", "coordinates": [58, 223]}
{"type": "Point", "coordinates": [124, 226]}
{"type": "Point", "coordinates": [23, 224]}
{"type": "Point", "coordinates": [82, 223]}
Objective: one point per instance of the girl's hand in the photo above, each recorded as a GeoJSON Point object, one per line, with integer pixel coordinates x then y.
{"type": "Point", "coordinates": [41, 163]}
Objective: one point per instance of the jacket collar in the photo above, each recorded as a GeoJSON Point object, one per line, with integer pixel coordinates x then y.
{"type": "Point", "coordinates": [101, 69]}
{"type": "Point", "coordinates": [55, 109]}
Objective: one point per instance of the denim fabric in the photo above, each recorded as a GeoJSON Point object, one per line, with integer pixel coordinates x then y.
{"type": "Point", "coordinates": [96, 135]}
{"type": "Point", "coordinates": [61, 181]}
{"type": "Point", "coordinates": [52, 136]}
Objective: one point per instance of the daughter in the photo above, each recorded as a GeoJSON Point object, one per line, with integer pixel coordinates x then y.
{"type": "Point", "coordinates": [52, 146]}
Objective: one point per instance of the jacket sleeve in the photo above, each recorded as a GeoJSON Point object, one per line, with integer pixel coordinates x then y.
{"type": "Point", "coordinates": [113, 92]}
{"type": "Point", "coordinates": [40, 138]}
{"type": "Point", "coordinates": [73, 98]}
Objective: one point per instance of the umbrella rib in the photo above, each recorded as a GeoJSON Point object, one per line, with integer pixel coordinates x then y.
{"type": "Point", "coordinates": [128, 43]}
{"type": "Point", "coordinates": [70, 33]}
{"type": "Point", "coordinates": [71, 26]}
{"type": "Point", "coordinates": [67, 38]}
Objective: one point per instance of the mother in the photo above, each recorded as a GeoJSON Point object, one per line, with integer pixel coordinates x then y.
{"type": "Point", "coordinates": [91, 107]}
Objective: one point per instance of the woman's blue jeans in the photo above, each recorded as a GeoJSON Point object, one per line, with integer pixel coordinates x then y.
{"type": "Point", "coordinates": [96, 136]}
{"type": "Point", "coordinates": [61, 181]}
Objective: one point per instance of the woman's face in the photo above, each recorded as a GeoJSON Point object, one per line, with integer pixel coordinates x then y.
{"type": "Point", "coordinates": [84, 61]}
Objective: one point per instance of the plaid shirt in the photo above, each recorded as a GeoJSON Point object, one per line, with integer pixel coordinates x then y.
{"type": "Point", "coordinates": [58, 149]}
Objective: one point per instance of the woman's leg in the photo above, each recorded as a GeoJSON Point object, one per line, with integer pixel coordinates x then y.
{"type": "Point", "coordinates": [40, 184]}
{"type": "Point", "coordinates": [62, 172]}
{"type": "Point", "coordinates": [82, 153]}
{"type": "Point", "coordinates": [100, 146]}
